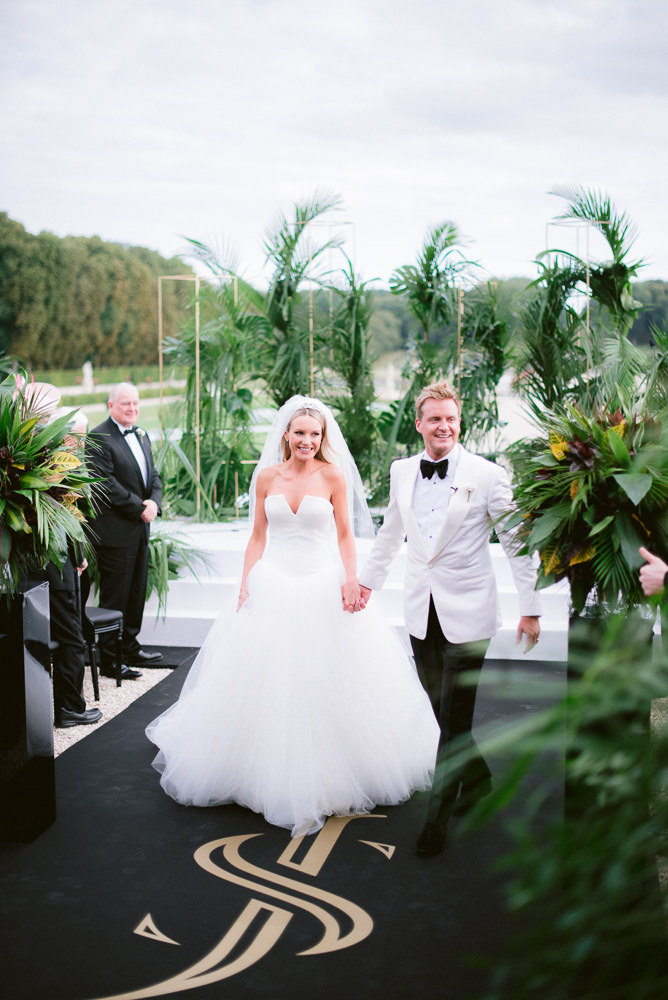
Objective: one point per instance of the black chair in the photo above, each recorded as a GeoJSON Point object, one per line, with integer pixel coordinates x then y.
{"type": "Point", "coordinates": [96, 622]}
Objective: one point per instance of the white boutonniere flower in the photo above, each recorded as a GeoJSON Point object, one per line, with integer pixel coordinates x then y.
{"type": "Point", "coordinates": [468, 492]}
{"type": "Point", "coordinates": [140, 432]}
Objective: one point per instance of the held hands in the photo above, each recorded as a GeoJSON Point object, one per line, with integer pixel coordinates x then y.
{"type": "Point", "coordinates": [652, 574]}
{"type": "Point", "coordinates": [529, 627]}
{"type": "Point", "coordinates": [351, 596]}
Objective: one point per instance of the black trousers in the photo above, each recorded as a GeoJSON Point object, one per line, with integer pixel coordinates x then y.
{"type": "Point", "coordinates": [450, 673]}
{"type": "Point", "coordinates": [123, 574]}
{"type": "Point", "coordinates": [69, 660]}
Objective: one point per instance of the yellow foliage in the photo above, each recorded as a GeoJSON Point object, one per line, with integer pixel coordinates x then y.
{"type": "Point", "coordinates": [74, 511]}
{"type": "Point", "coordinates": [550, 559]}
{"type": "Point", "coordinates": [64, 460]}
{"type": "Point", "coordinates": [584, 555]}
{"type": "Point", "coordinates": [558, 445]}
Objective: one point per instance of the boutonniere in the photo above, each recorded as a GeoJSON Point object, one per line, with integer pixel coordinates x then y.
{"type": "Point", "coordinates": [468, 492]}
{"type": "Point", "coordinates": [140, 432]}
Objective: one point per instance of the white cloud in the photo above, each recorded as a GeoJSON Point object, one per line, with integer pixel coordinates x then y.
{"type": "Point", "coordinates": [142, 120]}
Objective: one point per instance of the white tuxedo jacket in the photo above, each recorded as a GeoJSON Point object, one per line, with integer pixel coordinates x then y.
{"type": "Point", "coordinates": [457, 571]}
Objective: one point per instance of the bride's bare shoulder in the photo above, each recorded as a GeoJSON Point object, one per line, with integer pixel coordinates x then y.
{"type": "Point", "coordinates": [266, 477]}
{"type": "Point", "coordinates": [333, 474]}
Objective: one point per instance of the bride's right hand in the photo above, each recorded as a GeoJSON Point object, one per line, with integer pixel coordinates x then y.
{"type": "Point", "coordinates": [243, 597]}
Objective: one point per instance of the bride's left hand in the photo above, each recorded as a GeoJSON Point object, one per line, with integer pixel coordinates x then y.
{"type": "Point", "coordinates": [351, 596]}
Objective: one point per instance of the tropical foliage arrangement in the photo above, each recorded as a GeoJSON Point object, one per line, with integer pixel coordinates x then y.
{"type": "Point", "coordinates": [590, 492]}
{"type": "Point", "coordinates": [43, 486]}
{"type": "Point", "coordinates": [593, 485]}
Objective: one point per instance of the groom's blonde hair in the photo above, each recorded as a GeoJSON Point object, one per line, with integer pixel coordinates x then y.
{"type": "Point", "coordinates": [437, 390]}
{"type": "Point", "coordinates": [323, 453]}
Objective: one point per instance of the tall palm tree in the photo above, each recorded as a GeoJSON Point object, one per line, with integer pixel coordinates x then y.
{"type": "Point", "coordinates": [351, 360]}
{"type": "Point", "coordinates": [565, 350]}
{"type": "Point", "coordinates": [610, 281]}
{"type": "Point", "coordinates": [286, 354]}
{"type": "Point", "coordinates": [429, 285]}
{"type": "Point", "coordinates": [430, 288]}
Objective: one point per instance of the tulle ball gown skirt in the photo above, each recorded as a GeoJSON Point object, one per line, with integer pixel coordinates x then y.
{"type": "Point", "coordinates": [298, 710]}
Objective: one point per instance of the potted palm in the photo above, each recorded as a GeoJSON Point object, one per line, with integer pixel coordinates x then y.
{"type": "Point", "coordinates": [42, 485]}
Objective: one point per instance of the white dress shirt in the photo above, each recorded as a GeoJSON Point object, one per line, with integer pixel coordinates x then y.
{"type": "Point", "coordinates": [132, 441]}
{"type": "Point", "coordinates": [431, 498]}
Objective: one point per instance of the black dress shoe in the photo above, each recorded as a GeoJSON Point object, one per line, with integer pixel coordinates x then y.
{"type": "Point", "coordinates": [471, 796]}
{"type": "Point", "coordinates": [431, 841]}
{"type": "Point", "coordinates": [127, 673]}
{"type": "Point", "coordinates": [144, 656]}
{"type": "Point", "coordinates": [65, 718]}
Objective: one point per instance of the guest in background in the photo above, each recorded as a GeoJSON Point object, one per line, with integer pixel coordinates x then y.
{"type": "Point", "coordinates": [64, 595]}
{"type": "Point", "coordinates": [127, 500]}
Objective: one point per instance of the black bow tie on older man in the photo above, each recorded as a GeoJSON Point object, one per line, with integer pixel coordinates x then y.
{"type": "Point", "coordinates": [428, 468]}
{"type": "Point", "coordinates": [130, 430]}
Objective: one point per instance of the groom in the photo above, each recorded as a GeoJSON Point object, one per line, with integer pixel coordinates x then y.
{"type": "Point", "coordinates": [445, 502]}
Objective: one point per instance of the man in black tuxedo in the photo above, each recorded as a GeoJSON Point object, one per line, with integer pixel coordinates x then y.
{"type": "Point", "coordinates": [127, 501]}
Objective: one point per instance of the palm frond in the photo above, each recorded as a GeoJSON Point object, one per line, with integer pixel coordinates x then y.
{"type": "Point", "coordinates": [599, 211]}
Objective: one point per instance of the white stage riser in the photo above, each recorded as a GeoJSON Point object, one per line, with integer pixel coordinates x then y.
{"type": "Point", "coordinates": [193, 604]}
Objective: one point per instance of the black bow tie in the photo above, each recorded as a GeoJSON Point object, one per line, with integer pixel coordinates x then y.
{"type": "Point", "coordinates": [428, 468]}
{"type": "Point", "coordinates": [130, 430]}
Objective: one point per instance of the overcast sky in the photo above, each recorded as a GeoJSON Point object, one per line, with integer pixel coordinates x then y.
{"type": "Point", "coordinates": [144, 121]}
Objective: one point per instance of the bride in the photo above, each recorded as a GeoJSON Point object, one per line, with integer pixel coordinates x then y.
{"type": "Point", "coordinates": [295, 707]}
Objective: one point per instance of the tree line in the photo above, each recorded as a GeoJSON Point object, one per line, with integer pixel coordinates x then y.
{"type": "Point", "coordinates": [67, 300]}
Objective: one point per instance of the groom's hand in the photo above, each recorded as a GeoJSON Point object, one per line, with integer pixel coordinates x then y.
{"type": "Point", "coordinates": [365, 595]}
{"type": "Point", "coordinates": [529, 627]}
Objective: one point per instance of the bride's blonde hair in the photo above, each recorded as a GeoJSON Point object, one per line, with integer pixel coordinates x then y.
{"type": "Point", "coordinates": [323, 453]}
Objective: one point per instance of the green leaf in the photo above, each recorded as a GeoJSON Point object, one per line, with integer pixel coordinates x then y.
{"type": "Point", "coordinates": [5, 543]}
{"type": "Point", "coordinates": [635, 485]}
{"type": "Point", "coordinates": [630, 541]}
{"type": "Point", "coordinates": [618, 448]}
{"type": "Point", "coordinates": [546, 526]}
{"type": "Point", "coordinates": [31, 481]}
{"type": "Point", "coordinates": [15, 520]}
{"type": "Point", "coordinates": [602, 525]}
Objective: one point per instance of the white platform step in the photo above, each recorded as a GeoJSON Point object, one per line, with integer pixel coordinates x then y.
{"type": "Point", "coordinates": [194, 604]}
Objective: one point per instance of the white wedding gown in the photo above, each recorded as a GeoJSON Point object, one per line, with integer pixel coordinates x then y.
{"type": "Point", "coordinates": [293, 707]}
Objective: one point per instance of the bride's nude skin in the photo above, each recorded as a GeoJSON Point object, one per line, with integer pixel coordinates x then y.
{"type": "Point", "coordinates": [301, 475]}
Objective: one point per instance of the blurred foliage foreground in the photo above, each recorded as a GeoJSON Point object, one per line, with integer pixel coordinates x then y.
{"type": "Point", "coordinates": [582, 889]}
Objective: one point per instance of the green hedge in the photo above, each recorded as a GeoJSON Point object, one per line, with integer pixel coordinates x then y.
{"type": "Point", "coordinates": [138, 374]}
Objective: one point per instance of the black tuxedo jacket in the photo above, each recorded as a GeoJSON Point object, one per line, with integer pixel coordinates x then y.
{"type": "Point", "coordinates": [119, 498]}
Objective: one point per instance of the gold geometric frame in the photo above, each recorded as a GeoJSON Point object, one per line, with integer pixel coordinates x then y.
{"type": "Point", "coordinates": [197, 280]}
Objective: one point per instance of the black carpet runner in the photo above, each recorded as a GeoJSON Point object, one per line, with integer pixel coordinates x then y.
{"type": "Point", "coordinates": [130, 895]}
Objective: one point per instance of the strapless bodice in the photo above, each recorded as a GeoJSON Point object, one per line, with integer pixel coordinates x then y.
{"type": "Point", "coordinates": [300, 541]}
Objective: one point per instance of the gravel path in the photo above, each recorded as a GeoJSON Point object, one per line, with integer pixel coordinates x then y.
{"type": "Point", "coordinates": [112, 701]}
